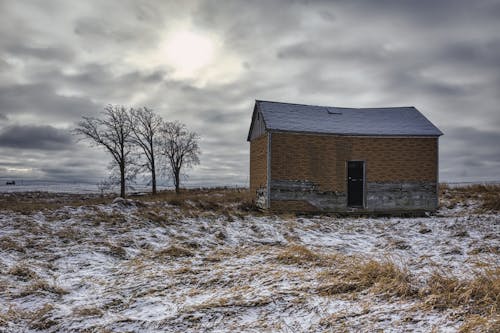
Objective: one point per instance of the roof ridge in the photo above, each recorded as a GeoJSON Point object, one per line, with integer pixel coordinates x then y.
{"type": "Point", "coordinates": [338, 107]}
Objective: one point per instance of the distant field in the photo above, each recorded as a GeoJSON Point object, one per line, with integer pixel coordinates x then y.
{"type": "Point", "coordinates": [77, 188]}
{"type": "Point", "coordinates": [88, 188]}
{"type": "Point", "coordinates": [208, 261]}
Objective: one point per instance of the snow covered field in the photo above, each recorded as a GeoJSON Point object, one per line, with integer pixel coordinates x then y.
{"type": "Point", "coordinates": [139, 266]}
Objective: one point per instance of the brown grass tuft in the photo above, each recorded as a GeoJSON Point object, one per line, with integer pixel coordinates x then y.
{"type": "Point", "coordinates": [174, 251]}
{"type": "Point", "coordinates": [23, 272]}
{"type": "Point", "coordinates": [7, 243]}
{"type": "Point", "coordinates": [481, 293]}
{"type": "Point", "coordinates": [88, 312]}
{"type": "Point", "coordinates": [386, 277]}
{"type": "Point", "coordinates": [109, 218]}
{"type": "Point", "coordinates": [298, 255]}
{"type": "Point", "coordinates": [116, 250]}
{"type": "Point", "coordinates": [481, 324]}
{"type": "Point", "coordinates": [69, 234]}
{"type": "Point", "coordinates": [40, 286]}
{"type": "Point", "coordinates": [38, 319]}
{"type": "Point", "coordinates": [357, 274]}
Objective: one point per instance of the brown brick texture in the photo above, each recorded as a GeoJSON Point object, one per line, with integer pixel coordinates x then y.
{"type": "Point", "coordinates": [322, 158]}
{"type": "Point", "coordinates": [258, 163]}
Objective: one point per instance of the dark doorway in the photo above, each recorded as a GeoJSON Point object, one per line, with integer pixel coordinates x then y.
{"type": "Point", "coordinates": [355, 183]}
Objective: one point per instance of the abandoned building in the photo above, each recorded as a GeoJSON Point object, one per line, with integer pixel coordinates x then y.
{"type": "Point", "coordinates": [331, 159]}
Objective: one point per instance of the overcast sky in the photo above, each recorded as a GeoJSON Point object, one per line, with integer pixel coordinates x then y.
{"type": "Point", "coordinates": [205, 62]}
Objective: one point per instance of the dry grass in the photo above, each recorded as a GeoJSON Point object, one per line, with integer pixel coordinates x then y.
{"type": "Point", "coordinates": [109, 218]}
{"type": "Point", "coordinates": [174, 251]}
{"type": "Point", "coordinates": [88, 312]}
{"type": "Point", "coordinates": [7, 243]}
{"type": "Point", "coordinates": [41, 286]}
{"type": "Point", "coordinates": [487, 195]}
{"type": "Point", "coordinates": [352, 273]}
{"type": "Point", "coordinates": [478, 297]}
{"type": "Point", "coordinates": [116, 250]}
{"type": "Point", "coordinates": [355, 274]}
{"type": "Point", "coordinates": [233, 301]}
{"type": "Point", "coordinates": [23, 272]}
{"type": "Point", "coordinates": [227, 201]}
{"type": "Point", "coordinates": [481, 324]}
{"type": "Point", "coordinates": [299, 255]}
{"type": "Point", "coordinates": [339, 319]}
{"type": "Point", "coordinates": [213, 199]}
{"type": "Point", "coordinates": [69, 234]}
{"type": "Point", "coordinates": [480, 294]}
{"type": "Point", "coordinates": [38, 319]}
{"type": "Point", "coordinates": [30, 202]}
{"type": "Point", "coordinates": [384, 277]}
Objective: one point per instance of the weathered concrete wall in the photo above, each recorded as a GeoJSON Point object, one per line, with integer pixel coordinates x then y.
{"type": "Point", "coordinates": [379, 197]}
{"type": "Point", "coordinates": [304, 196]}
{"type": "Point", "coordinates": [401, 196]}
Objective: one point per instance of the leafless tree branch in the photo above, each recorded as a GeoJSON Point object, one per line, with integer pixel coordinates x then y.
{"type": "Point", "coordinates": [145, 128]}
{"type": "Point", "coordinates": [113, 131]}
{"type": "Point", "coordinates": [180, 148]}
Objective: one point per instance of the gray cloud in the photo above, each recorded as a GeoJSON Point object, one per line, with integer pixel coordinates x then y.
{"type": "Point", "coordinates": [40, 100]}
{"type": "Point", "coordinates": [472, 153]}
{"type": "Point", "coordinates": [50, 53]}
{"type": "Point", "coordinates": [35, 137]}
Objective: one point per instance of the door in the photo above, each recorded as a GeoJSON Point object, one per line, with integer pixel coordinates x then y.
{"type": "Point", "coordinates": [355, 183]}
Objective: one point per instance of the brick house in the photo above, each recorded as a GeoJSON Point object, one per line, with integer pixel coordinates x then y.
{"type": "Point", "coordinates": [317, 158]}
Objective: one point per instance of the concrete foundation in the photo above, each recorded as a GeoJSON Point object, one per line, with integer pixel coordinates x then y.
{"type": "Point", "coordinates": [379, 196]}
{"type": "Point", "coordinates": [307, 191]}
{"type": "Point", "coordinates": [401, 196]}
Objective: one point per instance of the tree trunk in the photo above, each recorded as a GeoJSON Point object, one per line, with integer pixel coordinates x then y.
{"type": "Point", "coordinates": [122, 180]}
{"type": "Point", "coordinates": [177, 189]}
{"type": "Point", "coordinates": [154, 183]}
{"type": "Point", "coordinates": [153, 177]}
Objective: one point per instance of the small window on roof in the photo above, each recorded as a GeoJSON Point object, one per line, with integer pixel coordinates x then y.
{"type": "Point", "coordinates": [333, 111]}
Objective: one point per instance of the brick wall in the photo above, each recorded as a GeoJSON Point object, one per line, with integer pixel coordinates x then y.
{"type": "Point", "coordinates": [321, 158]}
{"type": "Point", "coordinates": [258, 163]}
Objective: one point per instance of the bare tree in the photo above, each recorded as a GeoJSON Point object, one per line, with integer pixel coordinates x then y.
{"type": "Point", "coordinates": [113, 132]}
{"type": "Point", "coordinates": [180, 148]}
{"type": "Point", "coordinates": [145, 128]}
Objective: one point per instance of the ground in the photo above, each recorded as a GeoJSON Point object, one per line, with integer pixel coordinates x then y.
{"type": "Point", "coordinates": [209, 262]}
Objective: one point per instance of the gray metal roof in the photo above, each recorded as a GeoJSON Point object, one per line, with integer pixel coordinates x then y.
{"type": "Point", "coordinates": [392, 121]}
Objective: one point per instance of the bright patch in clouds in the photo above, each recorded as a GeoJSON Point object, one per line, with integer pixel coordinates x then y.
{"type": "Point", "coordinates": [192, 55]}
{"type": "Point", "coordinates": [188, 52]}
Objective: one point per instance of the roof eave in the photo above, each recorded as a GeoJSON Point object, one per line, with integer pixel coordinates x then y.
{"type": "Point", "coordinates": [274, 130]}
{"type": "Point", "coordinates": [254, 113]}
{"type": "Point", "coordinates": [253, 120]}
